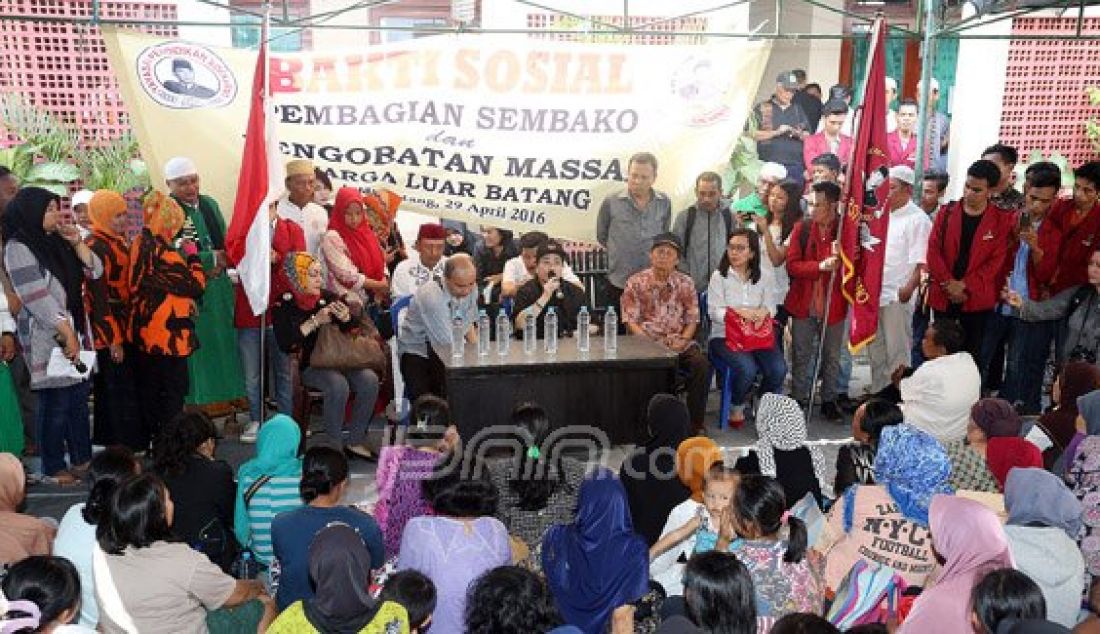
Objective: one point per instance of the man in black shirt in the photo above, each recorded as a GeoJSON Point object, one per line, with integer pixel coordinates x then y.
{"type": "Point", "coordinates": [546, 290]}
{"type": "Point", "coordinates": [811, 105]}
{"type": "Point", "coordinates": [781, 125]}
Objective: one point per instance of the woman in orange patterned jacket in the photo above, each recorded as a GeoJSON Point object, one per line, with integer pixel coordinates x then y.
{"type": "Point", "coordinates": [164, 284]}
{"type": "Point", "coordinates": [116, 413]}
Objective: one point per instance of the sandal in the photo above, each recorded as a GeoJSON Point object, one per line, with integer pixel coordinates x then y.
{"type": "Point", "coordinates": [63, 478]}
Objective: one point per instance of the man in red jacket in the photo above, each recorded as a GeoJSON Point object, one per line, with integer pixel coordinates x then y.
{"type": "Point", "coordinates": [1077, 223]}
{"type": "Point", "coordinates": [811, 262]}
{"type": "Point", "coordinates": [286, 237]}
{"type": "Point", "coordinates": [966, 255]}
{"type": "Point", "coordinates": [830, 140]}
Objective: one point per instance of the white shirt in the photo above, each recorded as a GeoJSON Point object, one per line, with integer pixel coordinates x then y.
{"type": "Point", "coordinates": [667, 569]}
{"type": "Point", "coordinates": [937, 398]}
{"type": "Point", "coordinates": [313, 219]}
{"type": "Point", "coordinates": [410, 274]}
{"type": "Point", "coordinates": [515, 271]}
{"type": "Point", "coordinates": [733, 292]}
{"type": "Point", "coordinates": [906, 248]}
{"type": "Point", "coordinates": [781, 281]}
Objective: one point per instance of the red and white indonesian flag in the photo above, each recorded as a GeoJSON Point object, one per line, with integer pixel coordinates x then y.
{"type": "Point", "coordinates": [260, 183]}
{"type": "Point", "coordinates": [866, 217]}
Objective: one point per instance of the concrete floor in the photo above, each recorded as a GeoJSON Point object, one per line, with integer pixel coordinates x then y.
{"type": "Point", "coordinates": [52, 501]}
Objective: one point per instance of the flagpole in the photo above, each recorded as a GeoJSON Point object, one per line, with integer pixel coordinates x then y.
{"type": "Point", "coordinates": [263, 315]}
{"type": "Point", "coordinates": [857, 115]}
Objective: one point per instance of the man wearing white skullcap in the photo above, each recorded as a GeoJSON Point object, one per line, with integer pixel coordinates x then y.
{"type": "Point", "coordinates": [79, 203]}
{"type": "Point", "coordinates": [215, 367]}
{"type": "Point", "coordinates": [906, 247]}
{"type": "Point", "coordinates": [757, 202]}
{"type": "Point", "coordinates": [298, 206]}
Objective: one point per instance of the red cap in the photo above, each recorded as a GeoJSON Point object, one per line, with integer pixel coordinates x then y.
{"type": "Point", "coordinates": [431, 231]}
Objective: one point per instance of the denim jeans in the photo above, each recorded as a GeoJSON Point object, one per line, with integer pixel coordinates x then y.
{"type": "Point", "coordinates": [63, 423]}
{"type": "Point", "coordinates": [336, 386]}
{"type": "Point", "coordinates": [248, 345]}
{"type": "Point", "coordinates": [997, 335]}
{"type": "Point", "coordinates": [1028, 350]}
{"type": "Point", "coordinates": [746, 365]}
{"type": "Point", "coordinates": [920, 326]}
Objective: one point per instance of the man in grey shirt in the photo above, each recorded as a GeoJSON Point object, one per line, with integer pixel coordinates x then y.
{"type": "Point", "coordinates": [627, 223]}
{"type": "Point", "coordinates": [427, 327]}
{"type": "Point", "coordinates": [710, 223]}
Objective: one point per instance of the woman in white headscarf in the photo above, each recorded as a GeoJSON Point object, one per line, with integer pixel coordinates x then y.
{"type": "Point", "coordinates": [782, 451]}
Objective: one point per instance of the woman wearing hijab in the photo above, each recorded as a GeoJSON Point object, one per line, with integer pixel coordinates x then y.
{"type": "Point", "coordinates": [20, 535]}
{"type": "Point", "coordinates": [355, 266]}
{"type": "Point", "coordinates": [646, 474]}
{"type": "Point", "coordinates": [782, 451]}
{"type": "Point", "coordinates": [339, 566]}
{"type": "Point", "coordinates": [969, 538]}
{"type": "Point", "coordinates": [597, 567]}
{"type": "Point", "coordinates": [299, 315]}
{"type": "Point", "coordinates": [1076, 379]}
{"type": "Point", "coordinates": [1044, 519]}
{"type": "Point", "coordinates": [164, 285]}
{"type": "Point", "coordinates": [48, 264]}
{"type": "Point", "coordinates": [270, 483]}
{"type": "Point", "coordinates": [980, 462]}
{"type": "Point", "coordinates": [382, 207]}
{"type": "Point", "coordinates": [888, 519]}
{"type": "Point", "coordinates": [117, 418]}
{"type": "Point", "coordinates": [1083, 476]}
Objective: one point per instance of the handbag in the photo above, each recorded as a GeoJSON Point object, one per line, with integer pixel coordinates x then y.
{"type": "Point", "coordinates": [352, 350]}
{"type": "Point", "coordinates": [743, 335]}
{"type": "Point", "coordinates": [246, 565]}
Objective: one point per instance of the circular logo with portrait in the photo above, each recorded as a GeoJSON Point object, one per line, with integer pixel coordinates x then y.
{"type": "Point", "coordinates": [182, 75]}
{"type": "Point", "coordinates": [696, 83]}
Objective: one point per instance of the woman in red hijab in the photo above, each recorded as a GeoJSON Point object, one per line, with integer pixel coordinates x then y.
{"type": "Point", "coordinates": [354, 264]}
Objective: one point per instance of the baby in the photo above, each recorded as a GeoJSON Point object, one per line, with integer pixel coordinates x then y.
{"type": "Point", "coordinates": [719, 486]}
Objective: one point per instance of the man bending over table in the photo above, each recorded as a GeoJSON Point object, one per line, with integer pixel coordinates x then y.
{"type": "Point", "coordinates": [426, 331]}
{"type": "Point", "coordinates": [660, 303]}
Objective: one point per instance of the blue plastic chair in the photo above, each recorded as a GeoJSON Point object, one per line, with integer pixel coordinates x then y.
{"type": "Point", "coordinates": [719, 366]}
{"type": "Point", "coordinates": [395, 318]}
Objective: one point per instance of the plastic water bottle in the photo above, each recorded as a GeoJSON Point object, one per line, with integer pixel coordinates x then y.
{"type": "Point", "coordinates": [583, 321]}
{"type": "Point", "coordinates": [550, 326]}
{"type": "Point", "coordinates": [458, 337]}
{"type": "Point", "coordinates": [484, 333]}
{"type": "Point", "coordinates": [530, 338]}
{"type": "Point", "coordinates": [504, 334]}
{"type": "Point", "coordinates": [610, 330]}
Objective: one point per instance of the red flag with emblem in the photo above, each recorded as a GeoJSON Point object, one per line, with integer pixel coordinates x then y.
{"type": "Point", "coordinates": [863, 228]}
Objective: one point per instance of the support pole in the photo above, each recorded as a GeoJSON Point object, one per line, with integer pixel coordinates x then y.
{"type": "Point", "coordinates": [928, 59]}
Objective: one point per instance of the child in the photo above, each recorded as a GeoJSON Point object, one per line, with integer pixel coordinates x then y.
{"type": "Point", "coordinates": [719, 487]}
{"type": "Point", "coordinates": [43, 594]}
{"type": "Point", "coordinates": [415, 592]}
{"type": "Point", "coordinates": [787, 578]}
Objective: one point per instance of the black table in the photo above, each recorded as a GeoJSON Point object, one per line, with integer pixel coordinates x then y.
{"type": "Point", "coordinates": [609, 392]}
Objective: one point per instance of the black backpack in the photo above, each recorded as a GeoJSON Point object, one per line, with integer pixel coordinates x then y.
{"type": "Point", "coordinates": [723, 210]}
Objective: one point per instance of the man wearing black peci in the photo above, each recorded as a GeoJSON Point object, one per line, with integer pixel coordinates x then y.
{"type": "Point", "coordinates": [546, 290]}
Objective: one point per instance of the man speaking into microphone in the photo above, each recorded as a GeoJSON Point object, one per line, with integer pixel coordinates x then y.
{"type": "Point", "coordinates": [545, 290]}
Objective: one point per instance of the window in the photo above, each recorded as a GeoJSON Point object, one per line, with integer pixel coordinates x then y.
{"type": "Point", "coordinates": [246, 34]}
{"type": "Point", "coordinates": [407, 22]}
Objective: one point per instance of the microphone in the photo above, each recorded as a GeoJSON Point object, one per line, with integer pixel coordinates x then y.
{"type": "Point", "coordinates": [77, 363]}
{"type": "Point", "coordinates": [557, 294]}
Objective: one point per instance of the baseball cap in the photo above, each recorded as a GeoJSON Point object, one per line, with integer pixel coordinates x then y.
{"type": "Point", "coordinates": [668, 239]}
{"type": "Point", "coordinates": [788, 80]}
{"type": "Point", "coordinates": [550, 247]}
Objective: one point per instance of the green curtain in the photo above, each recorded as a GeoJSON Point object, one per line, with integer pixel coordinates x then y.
{"type": "Point", "coordinates": [947, 54]}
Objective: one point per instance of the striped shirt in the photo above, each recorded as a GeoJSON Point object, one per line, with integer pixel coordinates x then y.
{"type": "Point", "coordinates": [276, 496]}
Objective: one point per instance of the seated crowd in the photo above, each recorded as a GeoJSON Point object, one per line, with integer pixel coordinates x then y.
{"type": "Point", "coordinates": [951, 509]}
